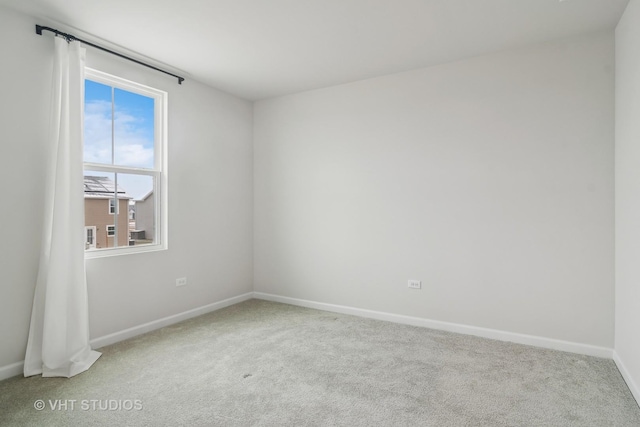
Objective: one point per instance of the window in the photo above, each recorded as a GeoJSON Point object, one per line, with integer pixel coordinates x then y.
{"type": "Point", "coordinates": [124, 166]}
{"type": "Point", "coordinates": [112, 206]}
{"type": "Point", "coordinates": [89, 237]}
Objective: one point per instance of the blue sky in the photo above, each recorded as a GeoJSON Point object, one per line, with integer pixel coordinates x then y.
{"type": "Point", "coordinates": [134, 128]}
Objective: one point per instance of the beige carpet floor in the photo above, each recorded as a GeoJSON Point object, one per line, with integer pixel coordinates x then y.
{"type": "Point", "coordinates": [260, 363]}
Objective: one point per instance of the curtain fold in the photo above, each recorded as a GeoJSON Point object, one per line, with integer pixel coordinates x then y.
{"type": "Point", "coordinates": [58, 344]}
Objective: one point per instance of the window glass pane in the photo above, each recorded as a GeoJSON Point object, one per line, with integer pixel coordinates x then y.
{"type": "Point", "coordinates": [142, 207]}
{"type": "Point", "coordinates": [97, 123]}
{"type": "Point", "coordinates": [100, 197]}
{"type": "Point", "coordinates": [134, 129]}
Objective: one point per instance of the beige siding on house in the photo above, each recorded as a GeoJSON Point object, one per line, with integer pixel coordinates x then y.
{"type": "Point", "coordinates": [96, 213]}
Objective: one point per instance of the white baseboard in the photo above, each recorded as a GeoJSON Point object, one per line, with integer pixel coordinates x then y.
{"type": "Point", "coordinates": [635, 390]}
{"type": "Point", "coordinates": [166, 321]}
{"type": "Point", "coordinates": [550, 343]}
{"type": "Point", "coordinates": [572, 347]}
{"type": "Point", "coordinates": [14, 369]}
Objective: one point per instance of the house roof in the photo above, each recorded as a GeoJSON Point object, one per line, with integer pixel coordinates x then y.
{"type": "Point", "coordinates": [102, 187]}
{"type": "Point", "coordinates": [145, 197]}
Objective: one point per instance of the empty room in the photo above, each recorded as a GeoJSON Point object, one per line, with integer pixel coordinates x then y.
{"type": "Point", "coordinates": [320, 212]}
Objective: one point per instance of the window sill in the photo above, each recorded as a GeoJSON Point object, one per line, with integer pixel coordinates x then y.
{"type": "Point", "coordinates": [129, 250]}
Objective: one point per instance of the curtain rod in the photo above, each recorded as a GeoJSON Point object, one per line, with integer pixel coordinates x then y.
{"type": "Point", "coordinates": [70, 37]}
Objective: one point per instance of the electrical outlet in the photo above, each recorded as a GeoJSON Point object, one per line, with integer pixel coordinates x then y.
{"type": "Point", "coordinates": [415, 284]}
{"type": "Point", "coordinates": [181, 281]}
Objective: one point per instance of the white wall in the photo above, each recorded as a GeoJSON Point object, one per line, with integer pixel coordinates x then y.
{"type": "Point", "coordinates": [210, 197]}
{"type": "Point", "coordinates": [489, 179]}
{"type": "Point", "coordinates": [627, 161]}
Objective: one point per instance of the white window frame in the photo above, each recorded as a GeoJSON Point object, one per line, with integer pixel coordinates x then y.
{"type": "Point", "coordinates": [158, 173]}
{"type": "Point", "coordinates": [111, 230]}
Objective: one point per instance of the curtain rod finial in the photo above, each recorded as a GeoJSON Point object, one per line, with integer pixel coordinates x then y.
{"type": "Point", "coordinates": [38, 29]}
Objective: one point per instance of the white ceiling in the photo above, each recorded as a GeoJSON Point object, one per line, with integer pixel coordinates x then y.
{"type": "Point", "coordinates": [263, 48]}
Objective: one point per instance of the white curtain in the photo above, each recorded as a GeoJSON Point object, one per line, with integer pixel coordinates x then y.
{"type": "Point", "coordinates": [58, 344]}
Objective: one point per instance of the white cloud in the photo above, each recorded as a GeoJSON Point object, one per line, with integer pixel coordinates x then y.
{"type": "Point", "coordinates": [133, 145]}
{"type": "Point", "coordinates": [134, 155]}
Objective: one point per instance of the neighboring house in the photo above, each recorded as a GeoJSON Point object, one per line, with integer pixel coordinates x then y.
{"type": "Point", "coordinates": [145, 217]}
{"type": "Point", "coordinates": [100, 212]}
